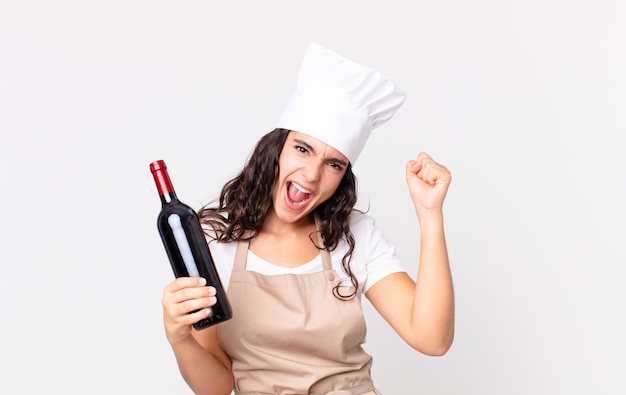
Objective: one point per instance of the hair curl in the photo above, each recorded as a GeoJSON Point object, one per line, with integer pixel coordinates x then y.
{"type": "Point", "coordinates": [237, 217]}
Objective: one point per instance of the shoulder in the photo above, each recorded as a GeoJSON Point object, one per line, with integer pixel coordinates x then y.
{"type": "Point", "coordinates": [373, 255]}
{"type": "Point", "coordinates": [365, 230]}
{"type": "Point", "coordinates": [367, 234]}
{"type": "Point", "coordinates": [361, 224]}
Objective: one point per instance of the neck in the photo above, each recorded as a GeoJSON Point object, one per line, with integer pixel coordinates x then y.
{"type": "Point", "coordinates": [273, 224]}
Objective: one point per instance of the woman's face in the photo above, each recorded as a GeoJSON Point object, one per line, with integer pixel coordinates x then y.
{"type": "Point", "coordinates": [309, 173]}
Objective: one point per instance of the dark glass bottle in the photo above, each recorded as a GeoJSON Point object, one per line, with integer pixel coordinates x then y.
{"type": "Point", "coordinates": [186, 245]}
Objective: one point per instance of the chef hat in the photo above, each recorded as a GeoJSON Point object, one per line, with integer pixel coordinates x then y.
{"type": "Point", "coordinates": [339, 101]}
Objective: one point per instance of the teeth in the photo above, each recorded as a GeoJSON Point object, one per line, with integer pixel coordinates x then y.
{"type": "Point", "coordinates": [299, 188]}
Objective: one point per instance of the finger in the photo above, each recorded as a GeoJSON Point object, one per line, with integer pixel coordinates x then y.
{"type": "Point", "coordinates": [182, 288]}
{"type": "Point", "coordinates": [412, 168]}
{"type": "Point", "coordinates": [199, 315]}
{"type": "Point", "coordinates": [185, 294]}
{"type": "Point", "coordinates": [434, 173]}
{"type": "Point", "coordinates": [423, 156]}
{"type": "Point", "coordinates": [185, 282]}
{"type": "Point", "coordinates": [416, 165]}
{"type": "Point", "coordinates": [193, 305]}
{"type": "Point", "coordinates": [189, 318]}
{"type": "Point", "coordinates": [176, 309]}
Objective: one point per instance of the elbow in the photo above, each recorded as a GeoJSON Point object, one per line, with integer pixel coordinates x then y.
{"type": "Point", "coordinates": [437, 350]}
{"type": "Point", "coordinates": [434, 347]}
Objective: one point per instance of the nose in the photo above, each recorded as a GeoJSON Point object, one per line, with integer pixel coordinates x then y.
{"type": "Point", "coordinates": [312, 171]}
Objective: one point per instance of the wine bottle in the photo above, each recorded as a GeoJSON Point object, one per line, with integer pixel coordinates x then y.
{"type": "Point", "coordinates": [185, 244]}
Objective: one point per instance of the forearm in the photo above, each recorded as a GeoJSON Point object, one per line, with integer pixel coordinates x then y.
{"type": "Point", "coordinates": [433, 305]}
{"type": "Point", "coordinates": [201, 370]}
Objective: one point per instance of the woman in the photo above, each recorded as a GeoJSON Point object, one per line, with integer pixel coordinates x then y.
{"type": "Point", "coordinates": [296, 256]}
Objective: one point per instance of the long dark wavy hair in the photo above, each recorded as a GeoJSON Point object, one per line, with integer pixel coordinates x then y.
{"type": "Point", "coordinates": [246, 200]}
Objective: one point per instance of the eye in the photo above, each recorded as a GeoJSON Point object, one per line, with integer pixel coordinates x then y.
{"type": "Point", "coordinates": [301, 149]}
{"type": "Point", "coordinates": [336, 166]}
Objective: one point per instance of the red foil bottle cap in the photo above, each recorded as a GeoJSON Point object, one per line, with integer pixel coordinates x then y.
{"type": "Point", "coordinates": [157, 165]}
{"type": "Point", "coordinates": [161, 178]}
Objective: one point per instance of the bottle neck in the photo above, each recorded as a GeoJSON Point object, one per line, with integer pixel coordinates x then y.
{"type": "Point", "coordinates": [163, 182]}
{"type": "Point", "coordinates": [169, 197]}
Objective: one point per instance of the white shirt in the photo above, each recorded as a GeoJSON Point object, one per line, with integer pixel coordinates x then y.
{"type": "Point", "coordinates": [373, 257]}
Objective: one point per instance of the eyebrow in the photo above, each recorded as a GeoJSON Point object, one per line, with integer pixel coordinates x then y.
{"type": "Point", "coordinates": [310, 148]}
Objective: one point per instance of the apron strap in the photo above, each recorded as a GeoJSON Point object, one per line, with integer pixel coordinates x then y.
{"type": "Point", "coordinates": [326, 263]}
{"type": "Point", "coordinates": [241, 255]}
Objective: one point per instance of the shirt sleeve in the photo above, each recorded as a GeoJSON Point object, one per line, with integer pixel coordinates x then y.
{"type": "Point", "coordinates": [379, 255]}
{"type": "Point", "coordinates": [223, 255]}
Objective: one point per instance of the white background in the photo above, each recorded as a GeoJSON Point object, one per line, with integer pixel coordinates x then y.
{"type": "Point", "coordinates": [524, 101]}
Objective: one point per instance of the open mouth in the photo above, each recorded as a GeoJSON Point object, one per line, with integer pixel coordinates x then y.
{"type": "Point", "coordinates": [296, 194]}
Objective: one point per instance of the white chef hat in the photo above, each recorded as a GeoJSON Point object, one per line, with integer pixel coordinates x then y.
{"type": "Point", "coordinates": [339, 101]}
